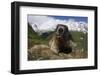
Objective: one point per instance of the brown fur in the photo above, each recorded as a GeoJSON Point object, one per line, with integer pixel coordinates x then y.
{"type": "Point", "coordinates": [39, 52]}
{"type": "Point", "coordinates": [59, 44]}
{"type": "Point", "coordinates": [60, 41]}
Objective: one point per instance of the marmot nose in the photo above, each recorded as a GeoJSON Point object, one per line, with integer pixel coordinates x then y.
{"type": "Point", "coordinates": [60, 30]}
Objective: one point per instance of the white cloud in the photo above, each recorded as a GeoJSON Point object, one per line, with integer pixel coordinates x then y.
{"type": "Point", "coordinates": [44, 22]}
{"type": "Point", "coordinates": [47, 23]}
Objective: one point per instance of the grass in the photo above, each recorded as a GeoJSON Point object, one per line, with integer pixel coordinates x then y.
{"type": "Point", "coordinates": [34, 38]}
{"type": "Point", "coordinates": [79, 38]}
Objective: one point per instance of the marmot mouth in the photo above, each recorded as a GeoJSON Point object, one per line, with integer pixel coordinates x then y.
{"type": "Point", "coordinates": [59, 35]}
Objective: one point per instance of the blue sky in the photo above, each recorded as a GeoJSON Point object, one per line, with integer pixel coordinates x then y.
{"type": "Point", "coordinates": [76, 18]}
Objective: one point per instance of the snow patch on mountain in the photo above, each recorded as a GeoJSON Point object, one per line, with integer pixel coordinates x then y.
{"type": "Point", "coordinates": [41, 24]}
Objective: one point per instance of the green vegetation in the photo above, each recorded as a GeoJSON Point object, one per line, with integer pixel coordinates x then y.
{"type": "Point", "coordinates": [34, 38]}
{"type": "Point", "coordinates": [79, 38]}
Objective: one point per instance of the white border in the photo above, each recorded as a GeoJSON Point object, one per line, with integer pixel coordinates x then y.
{"type": "Point", "coordinates": [26, 65]}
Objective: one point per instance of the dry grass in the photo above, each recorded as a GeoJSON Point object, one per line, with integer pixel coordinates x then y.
{"type": "Point", "coordinates": [43, 52]}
